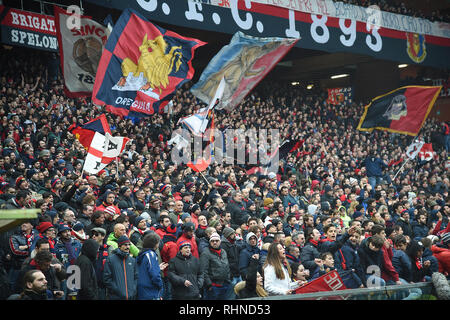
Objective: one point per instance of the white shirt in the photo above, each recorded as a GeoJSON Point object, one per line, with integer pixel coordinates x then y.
{"type": "Point", "coordinates": [272, 284]}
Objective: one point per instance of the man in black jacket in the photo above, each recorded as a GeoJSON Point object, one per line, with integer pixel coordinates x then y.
{"type": "Point", "coordinates": [34, 287]}
{"type": "Point", "coordinates": [86, 262]}
{"type": "Point", "coordinates": [229, 245]}
{"type": "Point", "coordinates": [185, 274]}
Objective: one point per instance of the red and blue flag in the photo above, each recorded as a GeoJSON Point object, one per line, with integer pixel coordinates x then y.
{"type": "Point", "coordinates": [86, 132]}
{"type": "Point", "coordinates": [142, 66]}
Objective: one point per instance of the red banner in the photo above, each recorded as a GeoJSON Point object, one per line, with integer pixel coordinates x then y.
{"type": "Point", "coordinates": [328, 282]}
{"type": "Point", "coordinates": [426, 153]}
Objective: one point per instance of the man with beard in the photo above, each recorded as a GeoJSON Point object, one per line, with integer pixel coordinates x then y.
{"type": "Point", "coordinates": [34, 287]}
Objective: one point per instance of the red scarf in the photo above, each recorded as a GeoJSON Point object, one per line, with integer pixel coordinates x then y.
{"type": "Point", "coordinates": [218, 251]}
{"type": "Point", "coordinates": [418, 263]}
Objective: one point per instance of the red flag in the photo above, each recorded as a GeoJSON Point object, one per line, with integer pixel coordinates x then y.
{"type": "Point", "coordinates": [201, 164]}
{"type": "Point", "coordinates": [426, 153]}
{"type": "Point", "coordinates": [86, 132]}
{"type": "Point", "coordinates": [328, 282]}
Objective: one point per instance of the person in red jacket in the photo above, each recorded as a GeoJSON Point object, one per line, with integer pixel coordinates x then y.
{"type": "Point", "coordinates": [188, 235]}
{"type": "Point", "coordinates": [442, 253]}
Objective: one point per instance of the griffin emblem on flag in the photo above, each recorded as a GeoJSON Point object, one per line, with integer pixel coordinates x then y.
{"type": "Point", "coordinates": [153, 67]}
{"type": "Point", "coordinates": [397, 108]}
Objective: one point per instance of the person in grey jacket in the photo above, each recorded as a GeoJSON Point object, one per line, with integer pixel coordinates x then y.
{"type": "Point", "coordinates": [185, 274]}
{"type": "Point", "coordinates": [120, 273]}
{"type": "Point", "coordinates": [216, 270]}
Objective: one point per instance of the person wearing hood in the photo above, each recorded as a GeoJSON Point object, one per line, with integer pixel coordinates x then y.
{"type": "Point", "coordinates": [120, 274]}
{"type": "Point", "coordinates": [419, 267]}
{"type": "Point", "coordinates": [251, 248]}
{"type": "Point", "coordinates": [253, 285]}
{"type": "Point", "coordinates": [185, 274]}
{"type": "Point", "coordinates": [150, 284]}
{"type": "Point", "coordinates": [88, 279]}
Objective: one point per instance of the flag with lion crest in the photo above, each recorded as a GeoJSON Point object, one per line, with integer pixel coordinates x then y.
{"type": "Point", "coordinates": [141, 66]}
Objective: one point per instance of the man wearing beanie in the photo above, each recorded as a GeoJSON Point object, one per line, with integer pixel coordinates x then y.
{"type": "Point", "coordinates": [185, 274]}
{"type": "Point", "coordinates": [229, 245]}
{"type": "Point", "coordinates": [120, 273]}
{"type": "Point", "coordinates": [138, 230]}
{"type": "Point", "coordinates": [216, 270]}
{"type": "Point", "coordinates": [251, 248]}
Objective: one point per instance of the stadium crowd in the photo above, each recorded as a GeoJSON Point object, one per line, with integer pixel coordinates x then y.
{"type": "Point", "coordinates": [399, 7]}
{"type": "Point", "coordinates": [145, 228]}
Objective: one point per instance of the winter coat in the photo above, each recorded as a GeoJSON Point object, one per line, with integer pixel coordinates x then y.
{"type": "Point", "coordinates": [419, 230]}
{"type": "Point", "coordinates": [120, 276]}
{"type": "Point", "coordinates": [18, 255]}
{"type": "Point", "coordinates": [215, 268]}
{"type": "Point", "coordinates": [62, 252]}
{"type": "Point", "coordinates": [443, 257]}
{"type": "Point", "coordinates": [233, 251]}
{"type": "Point", "coordinates": [272, 284]}
{"type": "Point", "coordinates": [248, 289]}
{"type": "Point", "coordinates": [183, 268]}
{"type": "Point", "coordinates": [374, 167]}
{"type": "Point", "coordinates": [307, 255]}
{"type": "Point", "coordinates": [244, 258]}
{"type": "Point", "coordinates": [402, 264]}
{"type": "Point", "coordinates": [149, 284]}
{"type": "Point", "coordinates": [86, 261]}
{"type": "Point", "coordinates": [368, 257]}
{"type": "Point", "coordinates": [238, 213]}
{"type": "Point", "coordinates": [406, 227]}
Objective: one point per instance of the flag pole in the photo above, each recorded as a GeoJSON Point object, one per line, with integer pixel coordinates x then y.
{"type": "Point", "coordinates": [401, 168]}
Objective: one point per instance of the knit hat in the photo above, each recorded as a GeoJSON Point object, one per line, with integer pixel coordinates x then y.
{"type": "Point", "coordinates": [164, 187]}
{"type": "Point", "coordinates": [19, 181]}
{"type": "Point", "coordinates": [189, 226]}
{"type": "Point", "coordinates": [138, 220]}
{"type": "Point", "coordinates": [357, 214]}
{"type": "Point", "coordinates": [267, 201]}
{"type": "Point", "coordinates": [445, 238]}
{"type": "Point", "coordinates": [327, 188]}
{"type": "Point", "coordinates": [78, 226]}
{"type": "Point", "coordinates": [31, 172]}
{"type": "Point", "coordinates": [184, 243]}
{"type": "Point", "coordinates": [44, 226]}
{"type": "Point", "coordinates": [213, 223]}
{"type": "Point", "coordinates": [54, 182]}
{"type": "Point", "coordinates": [185, 215]}
{"type": "Point", "coordinates": [194, 208]}
{"type": "Point", "coordinates": [145, 215]}
{"type": "Point", "coordinates": [227, 232]}
{"type": "Point", "coordinates": [214, 236]}
{"type": "Point", "coordinates": [110, 210]}
{"type": "Point", "coordinates": [122, 240]}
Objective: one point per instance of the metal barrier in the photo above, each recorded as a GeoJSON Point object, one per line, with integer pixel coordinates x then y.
{"type": "Point", "coordinates": [394, 292]}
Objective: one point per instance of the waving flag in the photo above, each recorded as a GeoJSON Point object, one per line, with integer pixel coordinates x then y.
{"type": "Point", "coordinates": [86, 133]}
{"type": "Point", "coordinates": [340, 95]}
{"type": "Point", "coordinates": [330, 281]}
{"type": "Point", "coordinates": [80, 51]}
{"type": "Point", "coordinates": [243, 63]}
{"type": "Point", "coordinates": [426, 153]}
{"type": "Point", "coordinates": [94, 161]}
{"type": "Point", "coordinates": [114, 146]}
{"type": "Point", "coordinates": [403, 110]}
{"type": "Point", "coordinates": [201, 164]}
{"type": "Point", "coordinates": [141, 66]}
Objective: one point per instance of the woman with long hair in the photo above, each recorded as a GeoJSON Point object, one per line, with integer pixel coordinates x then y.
{"type": "Point", "coordinates": [277, 272]}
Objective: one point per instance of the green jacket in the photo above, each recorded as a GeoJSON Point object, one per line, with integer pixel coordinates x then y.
{"type": "Point", "coordinates": [112, 243]}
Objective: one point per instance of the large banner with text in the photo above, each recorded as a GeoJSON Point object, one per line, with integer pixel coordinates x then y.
{"type": "Point", "coordinates": [28, 29]}
{"type": "Point", "coordinates": [322, 25]}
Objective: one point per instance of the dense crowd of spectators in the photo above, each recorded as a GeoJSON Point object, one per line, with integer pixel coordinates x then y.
{"type": "Point", "coordinates": [145, 228]}
{"type": "Point", "coordinates": [399, 7]}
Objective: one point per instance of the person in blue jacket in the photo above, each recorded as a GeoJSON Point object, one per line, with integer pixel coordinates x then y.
{"type": "Point", "coordinates": [120, 273]}
{"type": "Point", "coordinates": [374, 169]}
{"type": "Point", "coordinates": [149, 284]}
{"type": "Point", "coordinates": [247, 252]}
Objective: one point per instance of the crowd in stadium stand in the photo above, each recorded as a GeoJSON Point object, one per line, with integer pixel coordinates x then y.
{"type": "Point", "coordinates": [145, 228]}
{"type": "Point", "coordinates": [400, 7]}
